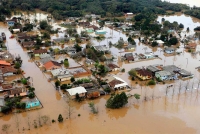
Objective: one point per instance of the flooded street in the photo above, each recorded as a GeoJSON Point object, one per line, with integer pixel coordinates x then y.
{"type": "Point", "coordinates": [173, 113]}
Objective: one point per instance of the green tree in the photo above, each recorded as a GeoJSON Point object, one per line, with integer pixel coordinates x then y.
{"type": "Point", "coordinates": [66, 63]}
{"type": "Point", "coordinates": [154, 44]}
{"type": "Point", "coordinates": [132, 72]}
{"type": "Point", "coordinates": [43, 24]}
{"type": "Point", "coordinates": [57, 83]}
{"type": "Point", "coordinates": [117, 101]}
{"type": "Point", "coordinates": [173, 41]}
{"type": "Point", "coordinates": [151, 82]}
{"type": "Point", "coordinates": [17, 65]}
{"type": "Point", "coordinates": [31, 95]}
{"type": "Point", "coordinates": [5, 109]}
{"type": "Point", "coordinates": [78, 48]}
{"type": "Point", "coordinates": [46, 35]}
{"type": "Point", "coordinates": [181, 25]}
{"type": "Point", "coordinates": [22, 105]}
{"type": "Point", "coordinates": [31, 89]}
{"type": "Point", "coordinates": [72, 79]}
{"type": "Point", "coordinates": [60, 118]}
{"type": "Point", "coordinates": [24, 81]}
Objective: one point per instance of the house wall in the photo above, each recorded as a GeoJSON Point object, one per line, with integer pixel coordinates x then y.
{"type": "Point", "coordinates": [32, 104]}
{"type": "Point", "coordinates": [143, 77]}
{"type": "Point", "coordinates": [52, 68]}
{"type": "Point", "coordinates": [39, 54]}
{"type": "Point", "coordinates": [161, 77]}
{"type": "Point", "coordinates": [10, 23]}
{"type": "Point", "coordinates": [80, 95]}
{"type": "Point", "coordinates": [65, 79]}
{"type": "Point", "coordinates": [169, 52]}
{"type": "Point", "coordinates": [8, 74]}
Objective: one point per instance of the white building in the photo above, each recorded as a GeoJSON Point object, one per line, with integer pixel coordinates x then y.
{"type": "Point", "coordinates": [77, 90]}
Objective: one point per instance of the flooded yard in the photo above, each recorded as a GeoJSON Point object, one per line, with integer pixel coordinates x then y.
{"type": "Point", "coordinates": [165, 111]}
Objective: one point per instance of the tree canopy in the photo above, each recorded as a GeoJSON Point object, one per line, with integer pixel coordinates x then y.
{"type": "Point", "coordinates": [61, 9]}
{"type": "Point", "coordinates": [117, 101]}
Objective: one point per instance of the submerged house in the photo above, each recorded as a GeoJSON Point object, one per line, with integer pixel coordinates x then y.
{"type": "Point", "coordinates": [61, 74]}
{"type": "Point", "coordinates": [143, 74]}
{"type": "Point", "coordinates": [112, 67]}
{"type": "Point", "coordinates": [154, 68]}
{"type": "Point", "coordinates": [81, 91]}
{"type": "Point", "coordinates": [28, 44]}
{"type": "Point", "coordinates": [51, 65]}
{"type": "Point", "coordinates": [11, 22]}
{"type": "Point", "coordinates": [129, 57]}
{"type": "Point", "coordinates": [116, 83]}
{"type": "Point", "coordinates": [169, 50]}
{"type": "Point", "coordinates": [39, 52]}
{"type": "Point", "coordinates": [32, 103]}
{"type": "Point", "coordinates": [166, 75]}
{"type": "Point", "coordinates": [185, 74]}
{"type": "Point", "coordinates": [100, 32]}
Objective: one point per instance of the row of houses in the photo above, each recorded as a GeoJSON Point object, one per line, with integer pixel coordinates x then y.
{"type": "Point", "coordinates": [89, 90]}
{"type": "Point", "coordinates": [170, 72]}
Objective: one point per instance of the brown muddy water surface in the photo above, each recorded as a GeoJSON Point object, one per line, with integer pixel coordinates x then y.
{"type": "Point", "coordinates": [174, 114]}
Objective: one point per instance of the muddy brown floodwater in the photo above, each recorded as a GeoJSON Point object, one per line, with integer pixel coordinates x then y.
{"type": "Point", "coordinates": [174, 114]}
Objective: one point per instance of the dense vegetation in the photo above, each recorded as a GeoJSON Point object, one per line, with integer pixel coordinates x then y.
{"type": "Point", "coordinates": [66, 8]}
{"type": "Point", "coordinates": [117, 101]}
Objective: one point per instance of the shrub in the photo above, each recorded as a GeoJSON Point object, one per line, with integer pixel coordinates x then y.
{"type": "Point", "coordinates": [5, 109]}
{"type": "Point", "coordinates": [154, 44]}
{"type": "Point", "coordinates": [60, 118]}
{"type": "Point", "coordinates": [24, 81]}
{"type": "Point", "coordinates": [31, 95]}
{"type": "Point", "coordinates": [57, 83]}
{"type": "Point", "coordinates": [123, 70]}
{"type": "Point", "coordinates": [107, 90]}
{"type": "Point", "coordinates": [53, 121]}
{"type": "Point", "coordinates": [72, 79]}
{"type": "Point", "coordinates": [132, 72]}
{"type": "Point", "coordinates": [79, 114]}
{"type": "Point", "coordinates": [93, 109]}
{"type": "Point", "coordinates": [151, 82]}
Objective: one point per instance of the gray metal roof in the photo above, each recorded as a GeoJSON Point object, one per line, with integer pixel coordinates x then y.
{"type": "Point", "coordinates": [153, 68]}
{"type": "Point", "coordinates": [163, 73]}
{"type": "Point", "coordinates": [171, 68]}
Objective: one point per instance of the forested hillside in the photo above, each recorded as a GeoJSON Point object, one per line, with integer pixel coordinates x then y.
{"type": "Point", "coordinates": [66, 8]}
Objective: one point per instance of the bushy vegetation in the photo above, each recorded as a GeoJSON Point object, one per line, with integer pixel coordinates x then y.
{"type": "Point", "coordinates": [60, 118]}
{"type": "Point", "coordinates": [77, 8]}
{"type": "Point", "coordinates": [117, 101]}
{"type": "Point", "coordinates": [132, 72]}
{"type": "Point", "coordinates": [81, 81]}
{"type": "Point", "coordinates": [151, 82]}
{"type": "Point", "coordinates": [65, 86]}
{"type": "Point", "coordinates": [93, 109]}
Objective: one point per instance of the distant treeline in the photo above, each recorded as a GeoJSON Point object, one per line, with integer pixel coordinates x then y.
{"type": "Point", "coordinates": [61, 9]}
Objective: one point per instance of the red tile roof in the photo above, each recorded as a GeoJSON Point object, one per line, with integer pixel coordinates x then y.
{"type": "Point", "coordinates": [8, 70]}
{"type": "Point", "coordinates": [144, 72]}
{"type": "Point", "coordinates": [112, 66]}
{"type": "Point", "coordinates": [51, 64]}
{"type": "Point", "coordinates": [3, 62]}
{"type": "Point", "coordinates": [115, 82]}
{"type": "Point", "coordinates": [40, 51]}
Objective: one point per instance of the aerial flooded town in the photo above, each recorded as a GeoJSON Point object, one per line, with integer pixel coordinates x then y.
{"type": "Point", "coordinates": [99, 66]}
